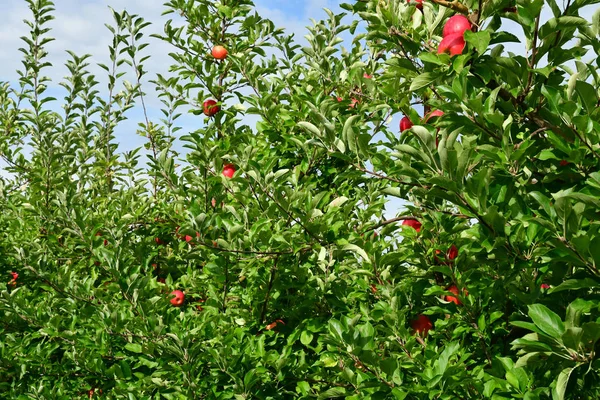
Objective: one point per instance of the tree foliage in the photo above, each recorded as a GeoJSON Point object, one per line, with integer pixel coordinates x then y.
{"type": "Point", "coordinates": [296, 286]}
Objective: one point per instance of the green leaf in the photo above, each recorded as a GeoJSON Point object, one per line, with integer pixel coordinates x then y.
{"type": "Point", "coordinates": [333, 393]}
{"type": "Point", "coordinates": [354, 248]}
{"type": "Point", "coordinates": [133, 347]}
{"type": "Point", "coordinates": [310, 128]}
{"type": "Point", "coordinates": [575, 284]}
{"type": "Point", "coordinates": [306, 337]}
{"type": "Point", "coordinates": [423, 80]}
{"type": "Point", "coordinates": [558, 393]}
{"type": "Point", "coordinates": [546, 320]}
{"type": "Point", "coordinates": [479, 40]}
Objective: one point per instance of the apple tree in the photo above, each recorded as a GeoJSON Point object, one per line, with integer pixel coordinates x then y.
{"type": "Point", "coordinates": [254, 255]}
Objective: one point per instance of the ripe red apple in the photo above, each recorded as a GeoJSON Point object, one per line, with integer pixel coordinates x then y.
{"type": "Point", "coordinates": [405, 123]}
{"type": "Point", "coordinates": [544, 286]}
{"type": "Point", "coordinates": [158, 241]}
{"type": "Point", "coordinates": [367, 76]}
{"type": "Point", "coordinates": [228, 170]}
{"type": "Point", "coordinates": [413, 223]}
{"type": "Point", "coordinates": [453, 299]}
{"type": "Point", "coordinates": [421, 325]}
{"type": "Point", "coordinates": [178, 299]}
{"type": "Point", "coordinates": [453, 45]}
{"type": "Point", "coordinates": [456, 25]}
{"type": "Point", "coordinates": [187, 238]}
{"type": "Point", "coordinates": [211, 108]}
{"type": "Point", "coordinates": [452, 252]}
{"type": "Point", "coordinates": [563, 163]}
{"type": "Point", "coordinates": [219, 52]}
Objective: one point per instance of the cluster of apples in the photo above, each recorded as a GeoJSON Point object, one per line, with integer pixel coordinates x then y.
{"type": "Point", "coordinates": [453, 41]}
{"type": "Point", "coordinates": [211, 107]}
{"type": "Point", "coordinates": [422, 324]}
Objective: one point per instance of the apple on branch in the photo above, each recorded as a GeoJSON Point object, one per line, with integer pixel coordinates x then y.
{"type": "Point", "coordinates": [413, 223]}
{"type": "Point", "coordinates": [421, 325]}
{"type": "Point", "coordinates": [178, 299]}
{"type": "Point", "coordinates": [405, 123]}
{"type": "Point", "coordinates": [228, 170]}
{"type": "Point", "coordinates": [210, 107]}
{"type": "Point", "coordinates": [219, 52]}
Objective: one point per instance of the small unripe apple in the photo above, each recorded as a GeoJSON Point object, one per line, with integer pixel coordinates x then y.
{"type": "Point", "coordinates": [219, 52]}
{"type": "Point", "coordinates": [210, 108]}
{"type": "Point", "coordinates": [178, 299]}
{"type": "Point", "coordinates": [229, 170]}
{"type": "Point", "coordinates": [456, 25]}
{"type": "Point", "coordinates": [413, 223]}
{"type": "Point", "coordinates": [405, 123]}
{"type": "Point", "coordinates": [453, 45]}
{"type": "Point", "coordinates": [421, 325]}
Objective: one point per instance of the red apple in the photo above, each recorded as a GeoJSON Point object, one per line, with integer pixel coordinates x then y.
{"type": "Point", "coordinates": [405, 123]}
{"type": "Point", "coordinates": [563, 163]}
{"type": "Point", "coordinates": [421, 325]}
{"type": "Point", "coordinates": [453, 45]}
{"type": "Point", "coordinates": [339, 99]}
{"type": "Point", "coordinates": [178, 299]}
{"type": "Point", "coordinates": [211, 108]}
{"type": "Point", "coordinates": [452, 252]}
{"type": "Point", "coordinates": [413, 223]}
{"type": "Point", "coordinates": [187, 238]}
{"type": "Point", "coordinates": [544, 286]}
{"type": "Point", "coordinates": [453, 299]}
{"type": "Point", "coordinates": [367, 76]}
{"type": "Point", "coordinates": [219, 52]}
{"type": "Point", "coordinates": [353, 103]}
{"type": "Point", "coordinates": [229, 170]}
{"type": "Point", "coordinates": [158, 241]}
{"type": "Point", "coordinates": [456, 25]}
